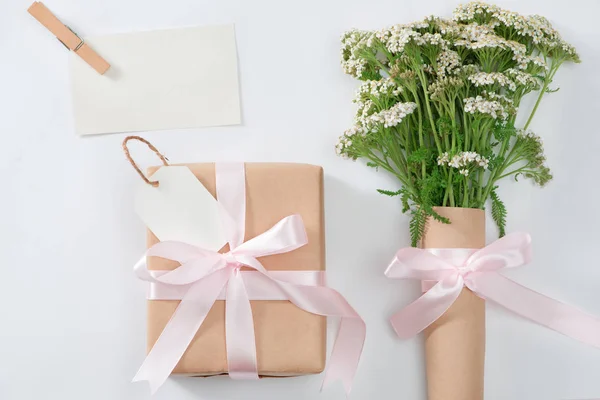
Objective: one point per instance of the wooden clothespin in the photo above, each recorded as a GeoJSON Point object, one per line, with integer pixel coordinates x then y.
{"type": "Point", "coordinates": [67, 37]}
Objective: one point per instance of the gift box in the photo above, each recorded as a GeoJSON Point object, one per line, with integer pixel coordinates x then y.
{"type": "Point", "coordinates": [289, 341]}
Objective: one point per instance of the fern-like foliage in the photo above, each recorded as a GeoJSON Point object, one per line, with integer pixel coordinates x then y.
{"type": "Point", "coordinates": [421, 155]}
{"type": "Point", "coordinates": [405, 198]}
{"type": "Point", "coordinates": [417, 226]}
{"type": "Point", "coordinates": [419, 220]}
{"type": "Point", "coordinates": [389, 192]}
{"type": "Point", "coordinates": [498, 212]}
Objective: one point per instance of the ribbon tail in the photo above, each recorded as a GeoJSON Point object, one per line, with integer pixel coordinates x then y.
{"type": "Point", "coordinates": [346, 352]}
{"type": "Point", "coordinates": [239, 330]}
{"type": "Point", "coordinates": [324, 301]}
{"type": "Point", "coordinates": [539, 308]}
{"type": "Point", "coordinates": [347, 349]}
{"type": "Point", "coordinates": [421, 313]}
{"type": "Point", "coordinates": [181, 329]}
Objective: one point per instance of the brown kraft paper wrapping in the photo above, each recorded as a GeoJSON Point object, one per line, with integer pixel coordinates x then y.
{"type": "Point", "coordinates": [455, 343]}
{"type": "Point", "coordinates": [289, 341]}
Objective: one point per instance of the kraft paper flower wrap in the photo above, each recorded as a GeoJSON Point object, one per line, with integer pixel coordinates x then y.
{"type": "Point", "coordinates": [437, 109]}
{"type": "Point", "coordinates": [257, 307]}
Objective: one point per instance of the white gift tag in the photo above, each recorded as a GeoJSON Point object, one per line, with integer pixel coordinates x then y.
{"type": "Point", "coordinates": [180, 208]}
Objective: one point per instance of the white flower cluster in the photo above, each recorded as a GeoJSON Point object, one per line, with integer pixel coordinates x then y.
{"type": "Point", "coordinates": [463, 161]}
{"type": "Point", "coordinates": [492, 78]}
{"type": "Point", "coordinates": [493, 41]}
{"type": "Point", "coordinates": [434, 39]}
{"type": "Point", "coordinates": [527, 134]}
{"type": "Point", "coordinates": [396, 37]}
{"type": "Point", "coordinates": [535, 27]}
{"type": "Point", "coordinates": [443, 85]}
{"type": "Point", "coordinates": [537, 61]}
{"type": "Point", "coordinates": [468, 12]}
{"type": "Point", "coordinates": [371, 123]}
{"type": "Point", "coordinates": [447, 62]}
{"type": "Point", "coordinates": [444, 26]}
{"type": "Point", "coordinates": [489, 105]}
{"type": "Point", "coordinates": [522, 78]}
{"type": "Point", "coordinates": [376, 89]}
{"type": "Point", "coordinates": [345, 141]}
{"type": "Point", "coordinates": [352, 42]}
{"type": "Point", "coordinates": [496, 105]}
{"type": "Point", "coordinates": [365, 108]}
{"type": "Point", "coordinates": [506, 102]}
{"type": "Point", "coordinates": [467, 70]}
{"type": "Point", "coordinates": [406, 76]}
{"type": "Point", "coordinates": [568, 48]}
{"type": "Point", "coordinates": [475, 36]}
{"type": "Point", "coordinates": [388, 34]}
{"type": "Point", "coordinates": [474, 32]}
{"type": "Point", "coordinates": [388, 118]}
{"type": "Point", "coordinates": [343, 144]}
{"type": "Point", "coordinates": [519, 51]}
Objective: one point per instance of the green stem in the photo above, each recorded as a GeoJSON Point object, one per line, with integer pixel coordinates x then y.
{"type": "Point", "coordinates": [454, 130]}
{"type": "Point", "coordinates": [383, 164]}
{"type": "Point", "coordinates": [480, 188]}
{"type": "Point", "coordinates": [421, 140]}
{"type": "Point", "coordinates": [492, 180]}
{"type": "Point", "coordinates": [465, 129]}
{"type": "Point", "coordinates": [522, 169]}
{"type": "Point", "coordinates": [545, 86]}
{"type": "Point", "coordinates": [423, 80]}
{"type": "Point", "coordinates": [448, 189]}
{"type": "Point", "coordinates": [535, 107]}
{"type": "Point", "coordinates": [451, 192]}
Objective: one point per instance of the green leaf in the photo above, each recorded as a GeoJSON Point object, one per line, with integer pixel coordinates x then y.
{"type": "Point", "coordinates": [419, 222]}
{"type": "Point", "coordinates": [498, 212]}
{"type": "Point", "coordinates": [389, 192]}
{"type": "Point", "coordinates": [438, 217]}
{"type": "Point", "coordinates": [419, 155]}
{"type": "Point", "coordinates": [405, 197]}
{"type": "Point", "coordinates": [501, 132]}
{"type": "Point", "coordinates": [495, 162]}
{"type": "Point", "coordinates": [417, 226]}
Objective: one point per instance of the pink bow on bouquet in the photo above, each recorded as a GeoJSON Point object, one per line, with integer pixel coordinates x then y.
{"type": "Point", "coordinates": [204, 275]}
{"type": "Point", "coordinates": [478, 270]}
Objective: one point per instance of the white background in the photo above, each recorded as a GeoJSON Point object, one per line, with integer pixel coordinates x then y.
{"type": "Point", "coordinates": [71, 312]}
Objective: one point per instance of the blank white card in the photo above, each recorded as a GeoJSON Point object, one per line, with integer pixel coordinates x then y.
{"type": "Point", "coordinates": [166, 79]}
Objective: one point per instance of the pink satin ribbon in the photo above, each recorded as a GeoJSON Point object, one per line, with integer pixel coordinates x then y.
{"type": "Point", "coordinates": [454, 269]}
{"type": "Point", "coordinates": [258, 286]}
{"type": "Point", "coordinates": [206, 276]}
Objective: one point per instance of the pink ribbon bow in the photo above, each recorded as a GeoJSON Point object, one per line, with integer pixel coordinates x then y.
{"type": "Point", "coordinates": [204, 275]}
{"type": "Point", "coordinates": [454, 269]}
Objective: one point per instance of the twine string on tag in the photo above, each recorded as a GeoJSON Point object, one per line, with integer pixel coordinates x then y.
{"type": "Point", "coordinates": [135, 166]}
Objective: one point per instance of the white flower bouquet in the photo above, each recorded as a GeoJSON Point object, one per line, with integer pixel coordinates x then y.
{"type": "Point", "coordinates": [438, 110]}
{"type": "Point", "coordinates": [438, 106]}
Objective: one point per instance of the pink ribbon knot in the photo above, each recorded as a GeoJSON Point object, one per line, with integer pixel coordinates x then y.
{"type": "Point", "coordinates": [478, 270]}
{"type": "Point", "coordinates": [203, 275]}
